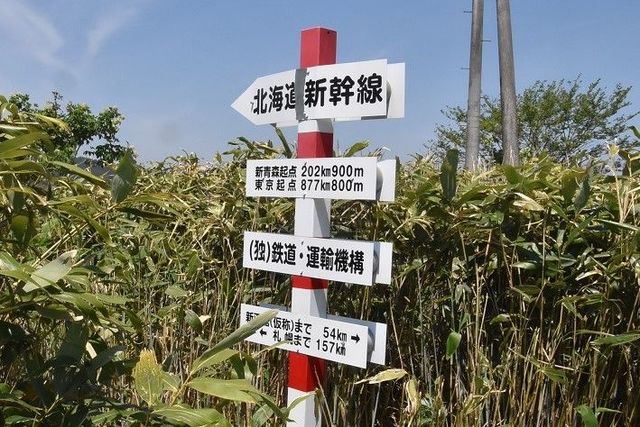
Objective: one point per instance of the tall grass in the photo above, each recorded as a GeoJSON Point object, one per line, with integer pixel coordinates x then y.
{"type": "Point", "coordinates": [515, 298]}
{"type": "Point", "coordinates": [536, 269]}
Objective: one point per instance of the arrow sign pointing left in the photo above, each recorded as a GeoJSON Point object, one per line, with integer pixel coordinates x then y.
{"type": "Point", "coordinates": [348, 91]}
{"type": "Point", "coordinates": [269, 99]}
{"type": "Point", "coordinates": [313, 336]}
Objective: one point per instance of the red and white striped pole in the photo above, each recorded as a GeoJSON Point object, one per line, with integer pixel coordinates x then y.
{"type": "Point", "coordinates": [312, 219]}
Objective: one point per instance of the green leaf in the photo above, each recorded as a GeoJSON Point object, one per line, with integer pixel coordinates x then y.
{"type": "Point", "coordinates": [215, 358]}
{"type": "Point", "coordinates": [614, 340]}
{"type": "Point", "coordinates": [285, 145]}
{"type": "Point", "coordinates": [11, 128]}
{"type": "Point", "coordinates": [75, 340]}
{"type": "Point", "coordinates": [583, 195]}
{"type": "Point", "coordinates": [569, 186]}
{"type": "Point", "coordinates": [19, 420]}
{"type": "Point", "coordinates": [124, 179]}
{"type": "Point", "coordinates": [235, 337]}
{"type": "Point", "coordinates": [449, 175]}
{"type": "Point", "coordinates": [74, 299]}
{"type": "Point", "coordinates": [17, 274]}
{"type": "Point", "coordinates": [525, 265]}
{"type": "Point", "coordinates": [25, 166]}
{"type": "Point", "coordinates": [8, 262]}
{"type": "Point", "coordinates": [236, 390]}
{"type": "Point", "coordinates": [635, 131]}
{"type": "Point", "coordinates": [22, 228]}
{"type": "Point", "coordinates": [261, 416]}
{"type": "Point", "coordinates": [356, 148]}
{"type": "Point", "coordinates": [193, 417]}
{"type": "Point", "coordinates": [99, 228]}
{"type": "Point", "coordinates": [52, 121]}
{"type": "Point", "coordinates": [384, 376]}
{"type": "Point", "coordinates": [194, 264]}
{"type": "Point", "coordinates": [619, 225]}
{"type": "Point", "coordinates": [113, 299]}
{"type": "Point", "coordinates": [587, 415]}
{"type": "Point", "coordinates": [527, 203]}
{"type": "Point", "coordinates": [148, 377]}
{"type": "Point", "coordinates": [176, 291]}
{"type": "Point", "coordinates": [170, 382]}
{"type": "Point", "coordinates": [500, 318]}
{"type": "Point", "coordinates": [193, 320]}
{"type": "Point", "coordinates": [511, 173]}
{"type": "Point", "coordinates": [50, 273]}
{"type": "Point", "coordinates": [80, 172]}
{"type": "Point", "coordinates": [7, 147]}
{"type": "Point", "coordinates": [453, 341]}
{"type": "Point", "coordinates": [554, 374]}
{"type": "Point", "coordinates": [146, 214]}
{"type": "Point", "coordinates": [111, 416]}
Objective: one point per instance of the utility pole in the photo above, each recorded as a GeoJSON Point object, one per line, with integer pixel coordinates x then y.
{"type": "Point", "coordinates": [510, 147]}
{"type": "Point", "coordinates": [475, 74]}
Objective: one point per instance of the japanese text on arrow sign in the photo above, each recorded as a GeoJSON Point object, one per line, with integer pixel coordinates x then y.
{"type": "Point", "coordinates": [340, 342]}
{"type": "Point", "coordinates": [377, 331]}
{"type": "Point", "coordinates": [344, 91]}
{"type": "Point", "coordinates": [350, 261]}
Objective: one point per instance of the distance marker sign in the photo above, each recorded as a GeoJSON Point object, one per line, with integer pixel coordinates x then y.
{"type": "Point", "coordinates": [352, 178]}
{"type": "Point", "coordinates": [348, 91]}
{"type": "Point", "coordinates": [351, 261]}
{"type": "Point", "coordinates": [340, 342]}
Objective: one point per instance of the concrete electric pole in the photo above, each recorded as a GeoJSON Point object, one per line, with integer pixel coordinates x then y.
{"type": "Point", "coordinates": [511, 149]}
{"type": "Point", "coordinates": [475, 78]}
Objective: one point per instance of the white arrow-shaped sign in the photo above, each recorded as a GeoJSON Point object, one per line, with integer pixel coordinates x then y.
{"type": "Point", "coordinates": [339, 339]}
{"type": "Point", "coordinates": [377, 346]}
{"type": "Point", "coordinates": [349, 91]}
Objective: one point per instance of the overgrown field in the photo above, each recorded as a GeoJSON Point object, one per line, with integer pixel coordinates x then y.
{"type": "Point", "coordinates": [515, 299]}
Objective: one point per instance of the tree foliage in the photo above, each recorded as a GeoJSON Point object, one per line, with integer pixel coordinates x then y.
{"type": "Point", "coordinates": [564, 119]}
{"type": "Point", "coordinates": [96, 133]}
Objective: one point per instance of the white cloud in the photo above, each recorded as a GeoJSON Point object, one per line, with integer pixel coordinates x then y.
{"type": "Point", "coordinates": [107, 27]}
{"type": "Point", "coordinates": [31, 33]}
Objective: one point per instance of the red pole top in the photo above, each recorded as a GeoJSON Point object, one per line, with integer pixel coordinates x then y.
{"type": "Point", "coordinates": [317, 47]}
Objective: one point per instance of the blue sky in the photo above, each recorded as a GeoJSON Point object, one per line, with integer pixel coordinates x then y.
{"type": "Point", "coordinates": [174, 67]}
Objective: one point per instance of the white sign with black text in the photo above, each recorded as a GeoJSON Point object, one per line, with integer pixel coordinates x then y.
{"type": "Point", "coordinates": [351, 261]}
{"type": "Point", "coordinates": [377, 333]}
{"type": "Point", "coordinates": [348, 91]}
{"type": "Point", "coordinates": [350, 178]}
{"type": "Point", "coordinates": [341, 342]}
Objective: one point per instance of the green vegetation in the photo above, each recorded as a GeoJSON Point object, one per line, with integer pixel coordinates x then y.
{"type": "Point", "coordinates": [72, 321]}
{"type": "Point", "coordinates": [97, 134]}
{"type": "Point", "coordinates": [561, 119]}
{"type": "Point", "coordinates": [515, 299]}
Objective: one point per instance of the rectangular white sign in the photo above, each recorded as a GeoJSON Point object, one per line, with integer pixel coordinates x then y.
{"type": "Point", "coordinates": [340, 342]}
{"type": "Point", "coordinates": [353, 178]}
{"type": "Point", "coordinates": [377, 331]}
{"type": "Point", "coordinates": [348, 91]}
{"type": "Point", "coordinates": [351, 261]}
